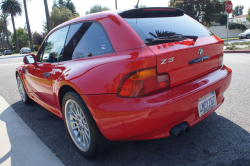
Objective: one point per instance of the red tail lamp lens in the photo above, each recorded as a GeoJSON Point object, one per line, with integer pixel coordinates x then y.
{"type": "Point", "coordinates": [159, 9]}
{"type": "Point", "coordinates": [221, 59]}
{"type": "Point", "coordinates": [142, 83]}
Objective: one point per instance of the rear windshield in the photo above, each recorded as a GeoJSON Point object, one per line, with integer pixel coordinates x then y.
{"type": "Point", "coordinates": [150, 29]}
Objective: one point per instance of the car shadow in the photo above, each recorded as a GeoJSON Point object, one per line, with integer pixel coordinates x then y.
{"type": "Point", "coordinates": [214, 141]}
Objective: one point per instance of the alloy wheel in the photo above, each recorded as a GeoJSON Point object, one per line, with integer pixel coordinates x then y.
{"type": "Point", "coordinates": [21, 88]}
{"type": "Point", "coordinates": [77, 125]}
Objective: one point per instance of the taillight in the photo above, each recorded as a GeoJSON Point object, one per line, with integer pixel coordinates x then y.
{"type": "Point", "coordinates": [143, 82]}
{"type": "Point", "coordinates": [221, 59]}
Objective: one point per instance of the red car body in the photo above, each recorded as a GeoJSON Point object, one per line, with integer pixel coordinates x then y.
{"type": "Point", "coordinates": [97, 80]}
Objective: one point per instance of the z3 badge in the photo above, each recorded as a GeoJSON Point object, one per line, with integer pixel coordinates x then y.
{"type": "Point", "coordinates": [168, 60]}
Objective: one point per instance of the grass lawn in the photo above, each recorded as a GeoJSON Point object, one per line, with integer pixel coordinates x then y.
{"type": "Point", "coordinates": [232, 38]}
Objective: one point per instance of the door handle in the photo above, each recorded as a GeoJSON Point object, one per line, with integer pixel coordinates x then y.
{"type": "Point", "coordinates": [46, 74]}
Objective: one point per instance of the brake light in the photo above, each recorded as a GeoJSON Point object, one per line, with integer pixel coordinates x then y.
{"type": "Point", "coordinates": [160, 9]}
{"type": "Point", "coordinates": [143, 82]}
{"type": "Point", "coordinates": [221, 59]}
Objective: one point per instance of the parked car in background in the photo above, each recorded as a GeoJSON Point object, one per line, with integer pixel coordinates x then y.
{"type": "Point", "coordinates": [245, 34]}
{"type": "Point", "coordinates": [25, 50]}
{"type": "Point", "coordinates": [1, 53]}
{"type": "Point", "coordinates": [7, 52]}
{"type": "Point", "coordinates": [133, 75]}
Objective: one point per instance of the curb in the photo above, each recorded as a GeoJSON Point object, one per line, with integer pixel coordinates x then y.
{"type": "Point", "coordinates": [19, 144]}
{"type": "Point", "coordinates": [236, 51]}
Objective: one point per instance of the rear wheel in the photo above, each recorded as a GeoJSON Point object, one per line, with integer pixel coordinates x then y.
{"type": "Point", "coordinates": [81, 126]}
{"type": "Point", "coordinates": [25, 98]}
{"type": "Point", "coordinates": [248, 36]}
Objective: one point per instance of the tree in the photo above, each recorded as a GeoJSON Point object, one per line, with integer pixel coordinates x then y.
{"type": "Point", "coordinates": [68, 4]}
{"type": "Point", "coordinates": [248, 15]}
{"type": "Point", "coordinates": [238, 10]}
{"type": "Point", "coordinates": [208, 10]}
{"type": "Point", "coordinates": [5, 22]}
{"type": "Point", "coordinates": [59, 16]}
{"type": "Point", "coordinates": [61, 12]}
{"type": "Point", "coordinates": [97, 8]}
{"type": "Point", "coordinates": [47, 15]}
{"type": "Point", "coordinates": [28, 25]}
{"type": "Point", "coordinates": [223, 19]}
{"type": "Point", "coordinates": [61, 3]}
{"type": "Point", "coordinates": [1, 31]}
{"type": "Point", "coordinates": [22, 37]}
{"type": "Point", "coordinates": [13, 7]}
{"type": "Point", "coordinates": [141, 6]}
{"type": "Point", "coordinates": [236, 25]}
{"type": "Point", "coordinates": [37, 38]}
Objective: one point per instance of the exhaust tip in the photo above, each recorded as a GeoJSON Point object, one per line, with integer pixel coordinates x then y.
{"type": "Point", "coordinates": [177, 131]}
{"type": "Point", "coordinates": [184, 127]}
{"type": "Point", "coordinates": [187, 129]}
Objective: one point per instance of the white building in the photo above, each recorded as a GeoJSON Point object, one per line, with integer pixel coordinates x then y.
{"type": "Point", "coordinates": [240, 19]}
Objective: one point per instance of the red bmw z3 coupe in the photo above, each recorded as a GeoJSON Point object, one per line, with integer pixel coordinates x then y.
{"type": "Point", "coordinates": [129, 75]}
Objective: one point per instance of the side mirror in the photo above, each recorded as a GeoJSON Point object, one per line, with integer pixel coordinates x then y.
{"type": "Point", "coordinates": [29, 59]}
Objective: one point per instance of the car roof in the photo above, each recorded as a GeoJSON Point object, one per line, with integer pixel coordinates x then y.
{"type": "Point", "coordinates": [131, 13]}
{"type": "Point", "coordinates": [89, 17]}
{"type": "Point", "coordinates": [115, 24]}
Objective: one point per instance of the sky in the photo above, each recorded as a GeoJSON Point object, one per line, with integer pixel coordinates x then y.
{"type": "Point", "coordinates": [36, 11]}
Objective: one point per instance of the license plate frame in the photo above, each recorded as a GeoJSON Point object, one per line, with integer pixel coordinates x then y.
{"type": "Point", "coordinates": [206, 103]}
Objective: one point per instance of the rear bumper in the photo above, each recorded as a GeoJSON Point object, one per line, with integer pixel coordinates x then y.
{"type": "Point", "coordinates": [153, 116]}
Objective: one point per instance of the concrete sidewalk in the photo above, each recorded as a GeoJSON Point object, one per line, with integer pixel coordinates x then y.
{"type": "Point", "coordinates": [19, 145]}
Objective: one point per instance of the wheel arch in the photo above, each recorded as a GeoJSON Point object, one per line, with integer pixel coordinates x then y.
{"type": "Point", "coordinates": [67, 88]}
{"type": "Point", "coordinates": [62, 91]}
{"type": "Point", "coordinates": [19, 71]}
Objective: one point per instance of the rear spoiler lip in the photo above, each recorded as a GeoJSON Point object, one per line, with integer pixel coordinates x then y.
{"type": "Point", "coordinates": [151, 12]}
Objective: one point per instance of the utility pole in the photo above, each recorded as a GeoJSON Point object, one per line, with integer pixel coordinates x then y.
{"type": "Point", "coordinates": [229, 8]}
{"type": "Point", "coordinates": [116, 4]}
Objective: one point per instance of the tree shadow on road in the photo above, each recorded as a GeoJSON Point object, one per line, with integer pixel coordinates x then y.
{"type": "Point", "coordinates": [214, 141]}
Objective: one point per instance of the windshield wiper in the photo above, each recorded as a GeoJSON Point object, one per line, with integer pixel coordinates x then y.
{"type": "Point", "coordinates": [166, 36]}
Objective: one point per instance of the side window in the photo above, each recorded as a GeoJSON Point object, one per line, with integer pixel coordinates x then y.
{"type": "Point", "coordinates": [54, 46]}
{"type": "Point", "coordinates": [40, 52]}
{"type": "Point", "coordinates": [86, 40]}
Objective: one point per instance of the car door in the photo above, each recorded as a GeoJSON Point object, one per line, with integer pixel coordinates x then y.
{"type": "Point", "coordinates": [39, 78]}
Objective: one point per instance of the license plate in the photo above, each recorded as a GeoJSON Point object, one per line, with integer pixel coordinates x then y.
{"type": "Point", "coordinates": [206, 103]}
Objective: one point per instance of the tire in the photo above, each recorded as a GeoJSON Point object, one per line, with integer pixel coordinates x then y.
{"type": "Point", "coordinates": [83, 131]}
{"type": "Point", "coordinates": [248, 37]}
{"type": "Point", "coordinates": [25, 98]}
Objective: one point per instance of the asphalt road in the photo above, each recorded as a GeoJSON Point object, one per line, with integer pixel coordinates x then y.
{"type": "Point", "coordinates": [221, 139]}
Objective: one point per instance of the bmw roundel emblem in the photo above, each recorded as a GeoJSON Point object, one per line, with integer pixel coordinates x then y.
{"type": "Point", "coordinates": [200, 51]}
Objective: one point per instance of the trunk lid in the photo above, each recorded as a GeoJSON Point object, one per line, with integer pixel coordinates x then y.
{"type": "Point", "coordinates": [181, 60]}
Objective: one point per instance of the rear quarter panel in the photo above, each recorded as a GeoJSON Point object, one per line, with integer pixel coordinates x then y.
{"type": "Point", "coordinates": [101, 74]}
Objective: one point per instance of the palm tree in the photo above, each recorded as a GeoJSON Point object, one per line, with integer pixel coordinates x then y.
{"type": "Point", "coordinates": [1, 31]}
{"type": "Point", "coordinates": [4, 17]}
{"type": "Point", "coordinates": [13, 7]}
{"type": "Point", "coordinates": [47, 15]}
{"type": "Point", "coordinates": [28, 25]}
